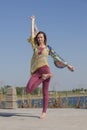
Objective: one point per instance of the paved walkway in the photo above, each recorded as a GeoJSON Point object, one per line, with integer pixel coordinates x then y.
{"type": "Point", "coordinates": [57, 119]}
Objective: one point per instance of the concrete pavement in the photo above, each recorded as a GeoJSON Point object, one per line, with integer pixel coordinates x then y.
{"type": "Point", "coordinates": [57, 119]}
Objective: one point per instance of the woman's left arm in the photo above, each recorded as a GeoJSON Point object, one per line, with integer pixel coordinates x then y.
{"type": "Point", "coordinates": [58, 61]}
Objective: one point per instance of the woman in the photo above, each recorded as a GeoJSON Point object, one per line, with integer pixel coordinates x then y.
{"type": "Point", "coordinates": [39, 66]}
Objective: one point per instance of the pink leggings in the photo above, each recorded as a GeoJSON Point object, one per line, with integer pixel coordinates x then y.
{"type": "Point", "coordinates": [35, 81]}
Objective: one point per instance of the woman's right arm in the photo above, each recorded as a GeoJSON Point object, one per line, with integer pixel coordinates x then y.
{"type": "Point", "coordinates": [32, 26]}
{"type": "Point", "coordinates": [31, 39]}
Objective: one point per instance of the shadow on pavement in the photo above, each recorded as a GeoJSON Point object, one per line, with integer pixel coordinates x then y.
{"type": "Point", "coordinates": [5, 114]}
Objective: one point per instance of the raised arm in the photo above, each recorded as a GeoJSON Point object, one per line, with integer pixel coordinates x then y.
{"type": "Point", "coordinates": [32, 26]}
{"type": "Point", "coordinates": [31, 38]}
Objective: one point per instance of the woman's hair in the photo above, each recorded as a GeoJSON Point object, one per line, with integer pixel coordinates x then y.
{"type": "Point", "coordinates": [36, 38]}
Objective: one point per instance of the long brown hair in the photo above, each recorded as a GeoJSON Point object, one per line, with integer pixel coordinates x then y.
{"type": "Point", "coordinates": [36, 39]}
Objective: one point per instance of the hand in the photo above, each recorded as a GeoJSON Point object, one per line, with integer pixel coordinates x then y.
{"type": "Point", "coordinates": [70, 67]}
{"type": "Point", "coordinates": [32, 18]}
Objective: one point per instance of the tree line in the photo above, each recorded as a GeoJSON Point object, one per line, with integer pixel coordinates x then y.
{"type": "Point", "coordinates": [22, 90]}
{"type": "Point", "coordinates": [19, 90]}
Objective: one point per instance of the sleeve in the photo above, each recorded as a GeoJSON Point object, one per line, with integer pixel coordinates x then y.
{"type": "Point", "coordinates": [58, 61]}
{"type": "Point", "coordinates": [31, 40]}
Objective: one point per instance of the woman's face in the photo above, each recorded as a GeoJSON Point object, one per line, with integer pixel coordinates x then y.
{"type": "Point", "coordinates": [40, 38]}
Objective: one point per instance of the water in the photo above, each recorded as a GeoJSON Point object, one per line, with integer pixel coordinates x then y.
{"type": "Point", "coordinates": [79, 102]}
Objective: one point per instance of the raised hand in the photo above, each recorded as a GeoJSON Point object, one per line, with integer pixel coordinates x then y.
{"type": "Point", "coordinates": [32, 17]}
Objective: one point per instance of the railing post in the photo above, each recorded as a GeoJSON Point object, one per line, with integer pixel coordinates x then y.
{"type": "Point", "coordinates": [11, 98]}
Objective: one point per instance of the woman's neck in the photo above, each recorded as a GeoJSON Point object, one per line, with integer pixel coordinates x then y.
{"type": "Point", "coordinates": [42, 45]}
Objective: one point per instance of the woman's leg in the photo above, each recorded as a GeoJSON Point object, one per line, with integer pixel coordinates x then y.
{"type": "Point", "coordinates": [46, 76]}
{"type": "Point", "coordinates": [45, 94]}
{"type": "Point", "coordinates": [45, 72]}
{"type": "Point", "coordinates": [35, 80]}
{"type": "Point", "coordinates": [45, 97]}
{"type": "Point", "coordinates": [33, 83]}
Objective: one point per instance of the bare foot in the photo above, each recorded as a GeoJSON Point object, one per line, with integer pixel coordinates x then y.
{"type": "Point", "coordinates": [46, 76]}
{"type": "Point", "coordinates": [43, 116]}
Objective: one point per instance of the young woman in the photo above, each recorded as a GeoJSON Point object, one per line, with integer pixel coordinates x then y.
{"type": "Point", "coordinates": [40, 69]}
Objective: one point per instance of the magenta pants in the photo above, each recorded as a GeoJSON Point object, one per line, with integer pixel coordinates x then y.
{"type": "Point", "coordinates": [35, 81]}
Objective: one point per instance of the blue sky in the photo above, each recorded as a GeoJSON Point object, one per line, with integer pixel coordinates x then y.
{"type": "Point", "coordinates": [64, 22]}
